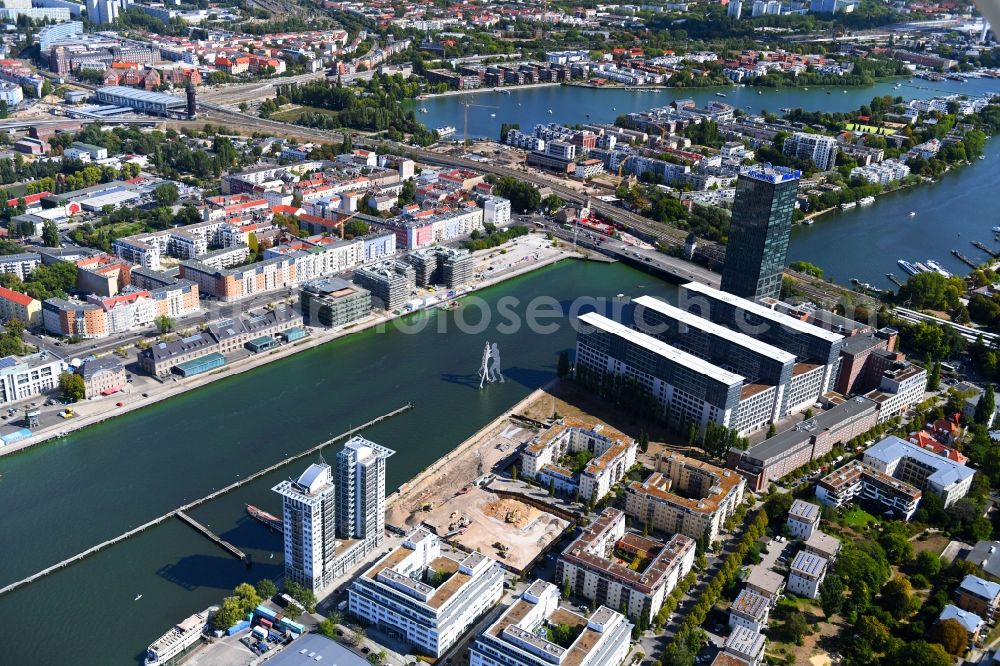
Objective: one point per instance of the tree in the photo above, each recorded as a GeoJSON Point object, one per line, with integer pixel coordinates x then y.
{"type": "Point", "coordinates": [919, 653]}
{"type": "Point", "coordinates": [643, 441]}
{"type": "Point", "coordinates": [266, 588]}
{"type": "Point", "coordinates": [562, 368]}
{"type": "Point", "coordinates": [897, 597]}
{"type": "Point", "coordinates": [166, 194]}
{"type": "Point", "coordinates": [831, 595]}
{"type": "Point", "coordinates": [552, 203]}
{"type": "Point", "coordinates": [985, 407]}
{"type": "Point", "coordinates": [772, 430]}
{"type": "Point", "coordinates": [524, 197]}
{"type": "Point", "coordinates": [897, 546]}
{"type": "Point", "coordinates": [50, 234]}
{"type": "Point", "coordinates": [934, 378]}
{"type": "Point", "coordinates": [355, 228]}
{"type": "Point", "coordinates": [164, 324]}
{"type": "Point", "coordinates": [72, 386]}
{"type": "Point", "coordinates": [927, 563]}
{"type": "Point", "coordinates": [951, 635]}
{"type": "Point", "coordinates": [552, 487]}
{"type": "Point", "coordinates": [795, 627]}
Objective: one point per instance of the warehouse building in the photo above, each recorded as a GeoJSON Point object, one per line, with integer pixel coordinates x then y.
{"type": "Point", "coordinates": [143, 100]}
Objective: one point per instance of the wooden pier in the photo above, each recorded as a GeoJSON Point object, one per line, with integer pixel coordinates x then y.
{"type": "Point", "coordinates": [893, 279]}
{"type": "Point", "coordinates": [964, 259]}
{"type": "Point", "coordinates": [985, 249]}
{"type": "Point", "coordinates": [215, 538]}
{"type": "Point", "coordinates": [180, 511]}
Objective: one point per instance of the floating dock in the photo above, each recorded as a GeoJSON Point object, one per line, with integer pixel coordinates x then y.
{"type": "Point", "coordinates": [964, 259]}
{"type": "Point", "coordinates": [985, 249]}
{"type": "Point", "coordinates": [215, 538]}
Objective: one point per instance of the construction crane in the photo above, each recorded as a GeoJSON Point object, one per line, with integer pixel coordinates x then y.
{"type": "Point", "coordinates": [343, 222]}
{"type": "Point", "coordinates": [621, 167]}
{"type": "Point", "coordinates": [465, 130]}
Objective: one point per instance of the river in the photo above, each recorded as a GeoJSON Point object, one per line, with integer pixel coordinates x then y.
{"type": "Point", "coordinates": [62, 497]}
{"type": "Point", "coordinates": [862, 243]}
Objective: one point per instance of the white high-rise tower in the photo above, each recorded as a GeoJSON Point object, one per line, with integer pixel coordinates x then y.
{"type": "Point", "coordinates": [361, 491]}
{"type": "Point", "coordinates": [309, 508]}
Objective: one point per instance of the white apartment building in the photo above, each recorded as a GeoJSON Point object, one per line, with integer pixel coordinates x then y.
{"type": "Point", "coordinates": [883, 172]}
{"type": "Point", "coordinates": [496, 211]}
{"type": "Point", "coordinates": [613, 455]}
{"type": "Point", "coordinates": [361, 490]}
{"type": "Point", "coordinates": [751, 610]}
{"type": "Point", "coordinates": [591, 572]}
{"type": "Point", "coordinates": [144, 254]}
{"type": "Point", "coordinates": [803, 519]}
{"type": "Point", "coordinates": [26, 377]}
{"type": "Point", "coordinates": [806, 574]}
{"type": "Point", "coordinates": [901, 385]}
{"type": "Point", "coordinates": [21, 264]}
{"type": "Point", "coordinates": [519, 139]}
{"type": "Point", "coordinates": [423, 597]}
{"type": "Point", "coordinates": [822, 150]}
{"type": "Point", "coordinates": [126, 312]}
{"type": "Point", "coordinates": [518, 638]}
{"type": "Point", "coordinates": [309, 507]}
{"type": "Point", "coordinates": [921, 468]}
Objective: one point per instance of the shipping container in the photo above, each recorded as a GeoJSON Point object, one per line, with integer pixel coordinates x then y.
{"type": "Point", "coordinates": [264, 611]}
{"type": "Point", "coordinates": [259, 632]}
{"type": "Point", "coordinates": [264, 622]}
{"type": "Point", "coordinates": [238, 627]}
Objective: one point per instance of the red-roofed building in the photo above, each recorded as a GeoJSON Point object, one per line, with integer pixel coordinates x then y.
{"type": "Point", "coordinates": [24, 308]}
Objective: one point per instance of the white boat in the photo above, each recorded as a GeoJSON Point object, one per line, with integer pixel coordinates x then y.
{"type": "Point", "coordinates": [720, 94]}
{"type": "Point", "coordinates": [808, 222]}
{"type": "Point", "coordinates": [175, 642]}
{"type": "Point", "coordinates": [493, 115]}
{"type": "Point", "coordinates": [848, 205]}
{"type": "Point", "coordinates": [908, 267]}
{"type": "Point", "coordinates": [913, 213]}
{"type": "Point", "coordinates": [550, 112]}
{"type": "Point", "coordinates": [137, 597]}
{"type": "Point", "coordinates": [996, 230]}
{"type": "Point", "coordinates": [922, 268]}
{"type": "Point", "coordinates": [423, 109]}
{"type": "Point", "coordinates": [447, 130]}
{"type": "Point", "coordinates": [937, 268]}
{"type": "Point", "coordinates": [866, 201]}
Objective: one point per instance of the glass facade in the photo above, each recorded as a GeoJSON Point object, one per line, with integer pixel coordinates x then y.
{"type": "Point", "coordinates": [758, 236]}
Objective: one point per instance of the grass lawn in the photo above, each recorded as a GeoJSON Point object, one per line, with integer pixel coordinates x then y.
{"type": "Point", "coordinates": [858, 519]}
{"type": "Point", "coordinates": [291, 115]}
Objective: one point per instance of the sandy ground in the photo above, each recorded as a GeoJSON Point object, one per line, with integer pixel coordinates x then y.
{"type": "Point", "coordinates": [522, 529]}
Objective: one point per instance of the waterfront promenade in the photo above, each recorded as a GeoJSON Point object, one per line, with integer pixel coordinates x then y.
{"type": "Point", "coordinates": [94, 412]}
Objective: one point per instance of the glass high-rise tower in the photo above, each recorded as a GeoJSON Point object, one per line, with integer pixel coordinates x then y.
{"type": "Point", "coordinates": [758, 235]}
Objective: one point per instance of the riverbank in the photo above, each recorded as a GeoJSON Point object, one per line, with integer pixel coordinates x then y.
{"type": "Point", "coordinates": [498, 89]}
{"type": "Point", "coordinates": [504, 269]}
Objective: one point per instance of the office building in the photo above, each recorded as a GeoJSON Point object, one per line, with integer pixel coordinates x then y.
{"type": "Point", "coordinates": [24, 377]}
{"type": "Point", "coordinates": [51, 34]}
{"type": "Point", "coordinates": [804, 442]}
{"type": "Point", "coordinates": [424, 597]}
{"type": "Point", "coordinates": [806, 574]}
{"type": "Point", "coordinates": [902, 385]}
{"type": "Point", "coordinates": [809, 343]}
{"type": "Point", "coordinates": [24, 308]}
{"type": "Point", "coordinates": [687, 389]}
{"type": "Point", "coordinates": [613, 455]}
{"type": "Point", "coordinates": [922, 469]}
{"type": "Point", "coordinates": [778, 384]}
{"type": "Point", "coordinates": [735, 9]}
{"type": "Point", "coordinates": [159, 104]}
{"type": "Point", "coordinates": [103, 376]}
{"type": "Point", "coordinates": [520, 638]}
{"type": "Point", "coordinates": [389, 283]}
{"type": "Point", "coordinates": [822, 150]}
{"type": "Point", "coordinates": [758, 234]}
{"type": "Point", "coordinates": [333, 302]}
{"type": "Point", "coordinates": [592, 571]}
{"type": "Point", "coordinates": [308, 509]}
{"type": "Point", "coordinates": [686, 496]}
{"type": "Point", "coordinates": [803, 519]}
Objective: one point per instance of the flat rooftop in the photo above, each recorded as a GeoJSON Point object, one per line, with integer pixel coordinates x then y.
{"type": "Point", "coordinates": [662, 349]}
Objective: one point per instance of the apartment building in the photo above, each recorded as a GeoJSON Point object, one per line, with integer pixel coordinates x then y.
{"type": "Point", "coordinates": [979, 596]}
{"type": "Point", "coordinates": [389, 283]}
{"type": "Point", "coordinates": [920, 468]}
{"type": "Point", "coordinates": [902, 385]}
{"type": "Point", "coordinates": [803, 519]}
{"type": "Point", "coordinates": [822, 150]}
{"type": "Point", "coordinates": [178, 299]}
{"type": "Point", "coordinates": [425, 597]}
{"type": "Point", "coordinates": [613, 454]}
{"type": "Point", "coordinates": [308, 509]}
{"type": "Point", "coordinates": [686, 496]}
{"type": "Point", "coordinates": [824, 545]}
{"type": "Point", "coordinates": [591, 566]}
{"type": "Point", "coordinates": [72, 318]}
{"type": "Point", "coordinates": [23, 308]}
{"type": "Point", "coordinates": [234, 284]}
{"type": "Point", "coordinates": [806, 574]}
{"type": "Point", "coordinates": [427, 227]}
{"type": "Point", "coordinates": [21, 264]}
{"type": "Point", "coordinates": [519, 637]}
{"type": "Point", "coordinates": [126, 312]}
{"type": "Point", "coordinates": [750, 610]}
{"type": "Point", "coordinates": [743, 646]}
{"type": "Point", "coordinates": [857, 481]}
